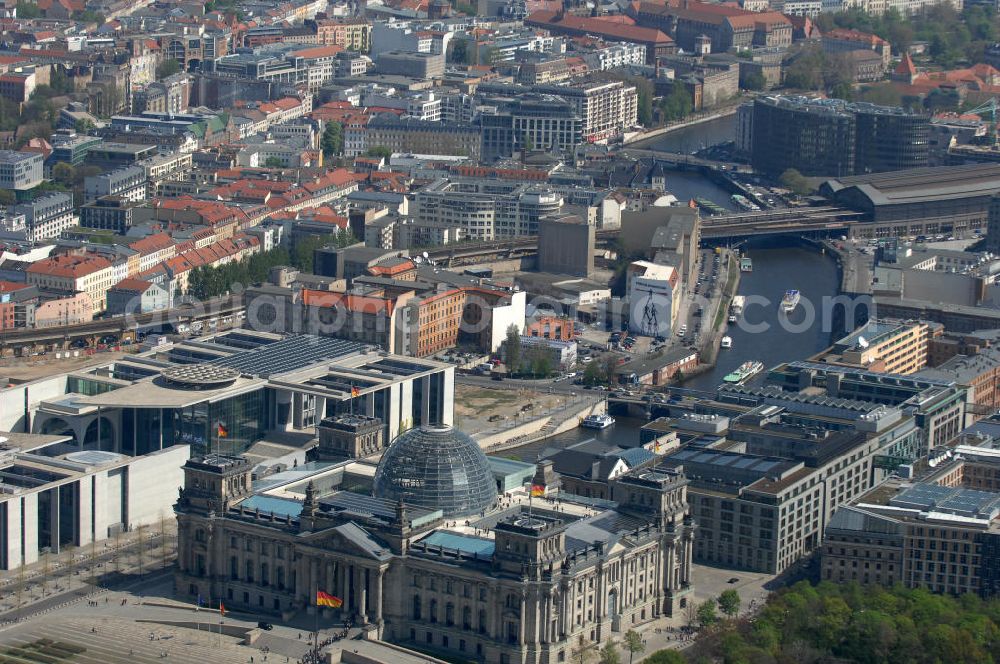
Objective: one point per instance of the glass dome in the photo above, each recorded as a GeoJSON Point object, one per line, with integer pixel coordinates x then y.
{"type": "Point", "coordinates": [437, 467]}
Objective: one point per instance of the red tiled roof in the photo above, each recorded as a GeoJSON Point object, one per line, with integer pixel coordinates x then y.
{"type": "Point", "coordinates": [8, 286]}
{"type": "Point", "coordinates": [132, 284]}
{"type": "Point", "coordinates": [552, 20]}
{"type": "Point", "coordinates": [72, 267]}
{"type": "Point", "coordinates": [843, 34]}
{"type": "Point", "coordinates": [393, 269]}
{"type": "Point", "coordinates": [357, 303]}
{"type": "Point", "coordinates": [906, 66]}
{"type": "Point", "coordinates": [319, 51]}
{"type": "Point", "coordinates": [152, 243]}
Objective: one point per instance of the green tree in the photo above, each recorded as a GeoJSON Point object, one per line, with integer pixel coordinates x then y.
{"type": "Point", "coordinates": [59, 81]}
{"type": "Point", "coordinates": [644, 93]}
{"type": "Point", "coordinates": [460, 51]}
{"type": "Point", "coordinates": [593, 374]}
{"type": "Point", "coordinates": [167, 68]}
{"type": "Point", "coordinates": [795, 182]}
{"type": "Point", "coordinates": [89, 16]}
{"type": "Point", "coordinates": [665, 657]}
{"type": "Point", "coordinates": [843, 91]}
{"type": "Point", "coordinates": [804, 69]}
{"type": "Point", "coordinates": [678, 104]}
{"type": "Point", "coordinates": [274, 162]}
{"type": "Point", "coordinates": [729, 602]}
{"type": "Point", "coordinates": [379, 151]}
{"type": "Point", "coordinates": [512, 349]}
{"type": "Point", "coordinates": [333, 139]}
{"type": "Point", "coordinates": [609, 653]}
{"type": "Point", "coordinates": [633, 643]}
{"type": "Point", "coordinates": [7, 197]}
{"type": "Point", "coordinates": [64, 174]}
{"type": "Point", "coordinates": [884, 94]}
{"type": "Point", "coordinates": [27, 9]}
{"type": "Point", "coordinates": [83, 126]}
{"type": "Point", "coordinates": [706, 613]}
{"type": "Point", "coordinates": [609, 368]}
{"type": "Point", "coordinates": [755, 80]}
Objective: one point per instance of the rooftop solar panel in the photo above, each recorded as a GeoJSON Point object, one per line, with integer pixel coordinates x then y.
{"type": "Point", "coordinates": [289, 354]}
{"type": "Point", "coordinates": [398, 367]}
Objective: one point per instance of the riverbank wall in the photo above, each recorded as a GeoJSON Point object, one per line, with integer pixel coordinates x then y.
{"type": "Point", "coordinates": [541, 428]}
{"type": "Point", "coordinates": [640, 137]}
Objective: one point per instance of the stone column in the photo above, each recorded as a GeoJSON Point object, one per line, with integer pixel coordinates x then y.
{"type": "Point", "coordinates": [543, 633]}
{"type": "Point", "coordinates": [349, 603]}
{"type": "Point", "coordinates": [495, 611]}
{"type": "Point", "coordinates": [313, 586]}
{"type": "Point", "coordinates": [524, 617]}
{"type": "Point", "coordinates": [54, 519]}
{"type": "Point", "coordinates": [378, 596]}
{"type": "Point", "coordinates": [657, 575]}
{"type": "Point", "coordinates": [298, 589]}
{"type": "Point", "coordinates": [361, 583]}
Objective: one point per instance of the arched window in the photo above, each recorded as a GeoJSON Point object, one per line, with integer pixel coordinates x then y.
{"type": "Point", "coordinates": [416, 607]}
{"type": "Point", "coordinates": [449, 614]}
{"type": "Point", "coordinates": [433, 611]}
{"type": "Point", "coordinates": [467, 619]}
{"type": "Point", "coordinates": [482, 621]}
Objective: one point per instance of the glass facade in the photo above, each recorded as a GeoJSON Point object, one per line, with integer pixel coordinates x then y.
{"type": "Point", "coordinates": [88, 387]}
{"type": "Point", "coordinates": [437, 467]}
{"type": "Point", "coordinates": [229, 426]}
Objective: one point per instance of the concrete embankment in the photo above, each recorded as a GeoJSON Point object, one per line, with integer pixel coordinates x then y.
{"type": "Point", "coordinates": [560, 421]}
{"type": "Point", "coordinates": [640, 137]}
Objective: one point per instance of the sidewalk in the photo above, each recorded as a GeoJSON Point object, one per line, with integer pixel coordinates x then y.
{"type": "Point", "coordinates": [76, 572]}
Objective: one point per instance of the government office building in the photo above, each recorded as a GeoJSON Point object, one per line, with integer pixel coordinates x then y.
{"type": "Point", "coordinates": [426, 555]}
{"type": "Point", "coordinates": [224, 393]}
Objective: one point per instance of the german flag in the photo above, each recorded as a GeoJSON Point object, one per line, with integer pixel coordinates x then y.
{"type": "Point", "coordinates": [221, 431]}
{"type": "Point", "coordinates": [326, 599]}
{"type": "Point", "coordinates": [222, 609]}
{"type": "Point", "coordinates": [537, 490]}
{"type": "Point", "coordinates": [355, 392]}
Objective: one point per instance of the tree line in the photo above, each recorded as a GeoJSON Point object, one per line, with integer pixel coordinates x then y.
{"type": "Point", "coordinates": [841, 623]}
{"type": "Point", "coordinates": [210, 281]}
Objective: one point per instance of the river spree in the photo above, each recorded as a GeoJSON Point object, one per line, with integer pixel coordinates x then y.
{"type": "Point", "coordinates": [696, 137]}
{"type": "Point", "coordinates": [776, 268]}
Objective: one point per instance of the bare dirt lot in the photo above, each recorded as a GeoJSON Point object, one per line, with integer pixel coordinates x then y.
{"type": "Point", "coordinates": [475, 405]}
{"type": "Point", "coordinates": [24, 369]}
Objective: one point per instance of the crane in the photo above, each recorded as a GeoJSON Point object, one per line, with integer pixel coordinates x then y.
{"type": "Point", "coordinates": [989, 105]}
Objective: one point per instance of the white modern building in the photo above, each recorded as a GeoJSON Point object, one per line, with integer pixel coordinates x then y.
{"type": "Point", "coordinates": [20, 171]}
{"type": "Point", "coordinates": [54, 495]}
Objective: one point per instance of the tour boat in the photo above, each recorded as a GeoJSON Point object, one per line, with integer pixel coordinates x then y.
{"type": "Point", "coordinates": [710, 207]}
{"type": "Point", "coordinates": [744, 372]}
{"type": "Point", "coordinates": [727, 342]}
{"type": "Point", "coordinates": [597, 421]}
{"type": "Point", "coordinates": [790, 301]}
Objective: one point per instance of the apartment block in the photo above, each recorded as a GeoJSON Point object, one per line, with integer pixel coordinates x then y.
{"type": "Point", "coordinates": [890, 346]}
{"type": "Point", "coordinates": [47, 216]}
{"type": "Point", "coordinates": [130, 183]}
{"type": "Point", "coordinates": [20, 171]}
{"type": "Point", "coordinates": [92, 275]}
